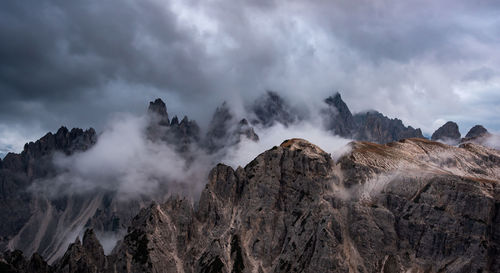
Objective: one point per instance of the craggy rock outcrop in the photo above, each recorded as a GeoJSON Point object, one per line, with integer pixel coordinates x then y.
{"type": "Point", "coordinates": [476, 131]}
{"type": "Point", "coordinates": [14, 261]}
{"type": "Point", "coordinates": [408, 206]}
{"type": "Point", "coordinates": [182, 134]}
{"type": "Point", "coordinates": [159, 109]}
{"type": "Point", "coordinates": [270, 109]}
{"type": "Point", "coordinates": [375, 127]}
{"type": "Point", "coordinates": [87, 256]}
{"type": "Point", "coordinates": [338, 117]}
{"type": "Point", "coordinates": [19, 171]}
{"type": "Point", "coordinates": [448, 133]}
{"type": "Point", "coordinates": [369, 126]}
{"type": "Point", "coordinates": [224, 130]}
{"type": "Point", "coordinates": [479, 135]}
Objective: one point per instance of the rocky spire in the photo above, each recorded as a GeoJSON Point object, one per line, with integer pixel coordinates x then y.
{"type": "Point", "coordinates": [159, 109]}
{"type": "Point", "coordinates": [246, 130]}
{"type": "Point", "coordinates": [183, 134]}
{"type": "Point", "coordinates": [218, 129]}
{"type": "Point", "coordinates": [271, 108]}
{"type": "Point", "coordinates": [175, 121]}
{"type": "Point", "coordinates": [447, 132]}
{"type": "Point", "coordinates": [85, 256]}
{"type": "Point", "coordinates": [338, 117]}
{"type": "Point", "coordinates": [224, 130]}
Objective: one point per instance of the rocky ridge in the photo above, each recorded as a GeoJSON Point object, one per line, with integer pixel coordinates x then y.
{"type": "Point", "coordinates": [19, 171]}
{"type": "Point", "coordinates": [368, 126]}
{"type": "Point", "coordinates": [37, 224]}
{"type": "Point", "coordinates": [408, 206]}
{"type": "Point", "coordinates": [224, 131]}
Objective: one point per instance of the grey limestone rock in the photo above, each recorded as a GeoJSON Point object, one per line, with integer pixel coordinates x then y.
{"type": "Point", "coordinates": [447, 132]}
{"type": "Point", "coordinates": [408, 206]}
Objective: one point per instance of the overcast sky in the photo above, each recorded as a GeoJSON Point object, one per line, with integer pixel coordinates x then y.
{"type": "Point", "coordinates": [76, 62]}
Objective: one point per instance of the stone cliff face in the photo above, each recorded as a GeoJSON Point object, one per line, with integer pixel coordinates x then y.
{"type": "Point", "coordinates": [408, 206]}
{"type": "Point", "coordinates": [375, 127]}
{"type": "Point", "coordinates": [19, 171]}
{"type": "Point", "coordinates": [338, 117]}
{"type": "Point", "coordinates": [38, 223]}
{"type": "Point", "coordinates": [183, 135]}
{"type": "Point", "coordinates": [369, 126]}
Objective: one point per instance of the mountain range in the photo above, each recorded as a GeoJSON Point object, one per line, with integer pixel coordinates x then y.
{"type": "Point", "coordinates": [395, 202]}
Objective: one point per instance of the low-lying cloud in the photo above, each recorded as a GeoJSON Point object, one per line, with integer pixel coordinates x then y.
{"type": "Point", "coordinates": [124, 161]}
{"type": "Point", "coordinates": [492, 141]}
{"type": "Point", "coordinates": [127, 162]}
{"type": "Point", "coordinates": [247, 150]}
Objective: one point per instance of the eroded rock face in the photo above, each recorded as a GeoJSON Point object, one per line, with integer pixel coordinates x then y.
{"type": "Point", "coordinates": [409, 206]}
{"type": "Point", "coordinates": [158, 108]}
{"type": "Point", "coordinates": [375, 127]}
{"type": "Point", "coordinates": [447, 132]}
{"type": "Point", "coordinates": [86, 256]}
{"type": "Point", "coordinates": [368, 126]}
{"type": "Point", "coordinates": [12, 262]}
{"type": "Point", "coordinates": [182, 135]}
{"type": "Point", "coordinates": [338, 117]}
{"type": "Point", "coordinates": [19, 209]}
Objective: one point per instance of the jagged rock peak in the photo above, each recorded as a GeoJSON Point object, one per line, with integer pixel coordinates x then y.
{"type": "Point", "coordinates": [90, 241]}
{"type": "Point", "coordinates": [224, 130]}
{"type": "Point", "coordinates": [15, 262]}
{"type": "Point", "coordinates": [245, 129]}
{"type": "Point", "coordinates": [189, 124]}
{"type": "Point", "coordinates": [375, 127]}
{"type": "Point", "coordinates": [159, 108]}
{"type": "Point", "coordinates": [449, 131]}
{"type": "Point", "coordinates": [271, 108]}
{"type": "Point", "coordinates": [218, 130]}
{"type": "Point", "coordinates": [64, 140]}
{"type": "Point", "coordinates": [336, 100]}
{"type": "Point", "coordinates": [338, 118]}
{"type": "Point", "coordinates": [175, 121]}
{"type": "Point", "coordinates": [87, 256]}
{"type": "Point", "coordinates": [476, 131]}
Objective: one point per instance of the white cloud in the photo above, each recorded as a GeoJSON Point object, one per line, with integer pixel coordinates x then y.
{"type": "Point", "coordinates": [247, 150]}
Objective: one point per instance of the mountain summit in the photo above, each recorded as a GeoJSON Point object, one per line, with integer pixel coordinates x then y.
{"type": "Point", "coordinates": [449, 131]}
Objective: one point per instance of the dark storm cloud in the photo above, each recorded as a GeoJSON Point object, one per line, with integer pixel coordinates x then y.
{"type": "Point", "coordinates": [75, 62]}
{"type": "Point", "coordinates": [53, 49]}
